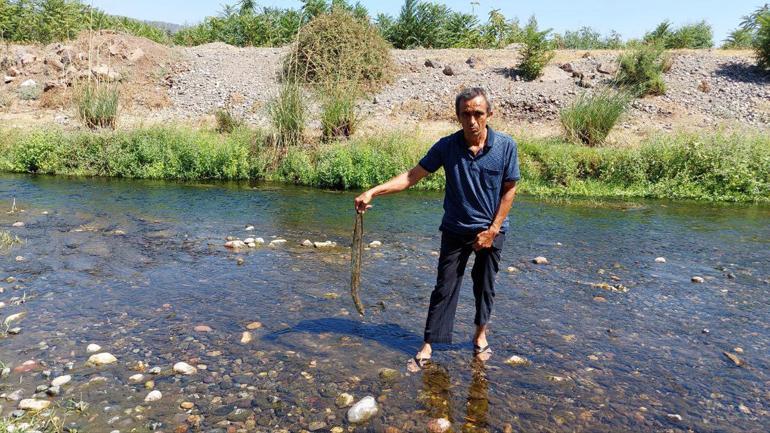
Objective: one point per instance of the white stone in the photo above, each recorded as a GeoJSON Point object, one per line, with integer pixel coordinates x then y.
{"type": "Point", "coordinates": [363, 410]}
{"type": "Point", "coordinates": [13, 318]}
{"type": "Point", "coordinates": [33, 404]}
{"type": "Point", "coordinates": [61, 380]}
{"type": "Point", "coordinates": [276, 242]}
{"type": "Point", "coordinates": [101, 359]}
{"type": "Point", "coordinates": [516, 361]}
{"type": "Point", "coordinates": [697, 280]}
{"type": "Point", "coordinates": [540, 260]}
{"type": "Point", "coordinates": [249, 228]}
{"type": "Point", "coordinates": [259, 241]}
{"type": "Point", "coordinates": [246, 337]}
{"type": "Point", "coordinates": [28, 83]}
{"type": "Point", "coordinates": [18, 224]}
{"type": "Point", "coordinates": [375, 244]}
{"type": "Point", "coordinates": [93, 348]}
{"type": "Point", "coordinates": [154, 395]}
{"type": "Point", "coordinates": [136, 378]}
{"type": "Point", "coordinates": [184, 368]}
{"type": "Point", "coordinates": [248, 241]}
{"type": "Point", "coordinates": [235, 244]}
{"type": "Point", "coordinates": [344, 400]}
{"type": "Point", "coordinates": [307, 243]}
{"type": "Point", "coordinates": [660, 260]}
{"type": "Point", "coordinates": [439, 425]}
{"type": "Point", "coordinates": [326, 244]}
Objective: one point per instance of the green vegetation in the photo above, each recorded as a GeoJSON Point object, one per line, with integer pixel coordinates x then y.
{"type": "Point", "coordinates": [586, 38]}
{"type": "Point", "coordinates": [336, 47]}
{"type": "Point", "coordinates": [57, 20]}
{"type": "Point", "coordinates": [7, 241]}
{"type": "Point", "coordinates": [739, 38]}
{"type": "Point", "coordinates": [288, 112]}
{"type": "Point", "coordinates": [698, 35]}
{"type": "Point", "coordinates": [592, 116]}
{"type": "Point", "coordinates": [762, 44]}
{"type": "Point", "coordinates": [338, 112]}
{"type": "Point", "coordinates": [537, 52]}
{"type": "Point", "coordinates": [641, 69]}
{"type": "Point", "coordinates": [720, 167]}
{"type": "Point", "coordinates": [30, 92]}
{"type": "Point", "coordinates": [226, 121]}
{"type": "Point", "coordinates": [97, 105]}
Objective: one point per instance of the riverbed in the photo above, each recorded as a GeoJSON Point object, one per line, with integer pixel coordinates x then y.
{"type": "Point", "coordinates": [613, 339]}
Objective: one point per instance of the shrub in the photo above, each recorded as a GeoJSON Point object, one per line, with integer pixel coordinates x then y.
{"type": "Point", "coordinates": [30, 92]}
{"type": "Point", "coordinates": [739, 38]}
{"type": "Point", "coordinates": [641, 69]}
{"type": "Point", "coordinates": [97, 105]}
{"type": "Point", "coordinates": [586, 38]}
{"type": "Point", "coordinates": [6, 100]}
{"type": "Point", "coordinates": [762, 43]}
{"type": "Point", "coordinates": [287, 115]}
{"type": "Point", "coordinates": [592, 116]}
{"type": "Point", "coordinates": [698, 35]}
{"type": "Point", "coordinates": [336, 47]}
{"type": "Point", "coordinates": [227, 122]}
{"type": "Point", "coordinates": [338, 112]}
{"type": "Point", "coordinates": [538, 51]}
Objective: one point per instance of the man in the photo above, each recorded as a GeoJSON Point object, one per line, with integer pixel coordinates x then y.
{"type": "Point", "coordinates": [482, 169]}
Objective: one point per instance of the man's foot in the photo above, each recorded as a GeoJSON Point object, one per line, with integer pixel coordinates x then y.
{"type": "Point", "coordinates": [420, 359]}
{"type": "Point", "coordinates": [482, 352]}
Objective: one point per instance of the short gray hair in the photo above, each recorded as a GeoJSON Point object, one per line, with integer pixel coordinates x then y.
{"type": "Point", "coordinates": [469, 93]}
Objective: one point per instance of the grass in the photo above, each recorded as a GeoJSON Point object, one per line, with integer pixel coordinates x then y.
{"type": "Point", "coordinates": [7, 240]}
{"type": "Point", "coordinates": [30, 92]}
{"type": "Point", "coordinates": [641, 69]}
{"type": "Point", "coordinates": [592, 116]}
{"type": "Point", "coordinates": [97, 105]}
{"type": "Point", "coordinates": [339, 118]}
{"type": "Point", "coordinates": [288, 114]}
{"type": "Point", "coordinates": [226, 121]}
{"type": "Point", "coordinates": [710, 168]}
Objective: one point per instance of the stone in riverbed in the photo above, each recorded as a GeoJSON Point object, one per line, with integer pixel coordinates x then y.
{"type": "Point", "coordinates": [438, 425]}
{"type": "Point", "coordinates": [53, 391]}
{"type": "Point", "coordinates": [540, 260]}
{"type": "Point", "coordinates": [277, 242]}
{"type": "Point", "coordinates": [307, 243]}
{"type": "Point", "coordinates": [93, 348]}
{"type": "Point", "coordinates": [184, 368]}
{"type": "Point", "coordinates": [316, 425]}
{"type": "Point", "coordinates": [362, 411]}
{"type": "Point", "coordinates": [246, 337]}
{"type": "Point", "coordinates": [516, 361]}
{"type": "Point", "coordinates": [18, 224]}
{"type": "Point", "coordinates": [136, 378]}
{"type": "Point", "coordinates": [325, 244]}
{"type": "Point", "coordinates": [344, 400]}
{"type": "Point", "coordinates": [660, 260]}
{"type": "Point", "coordinates": [375, 244]}
{"type": "Point", "coordinates": [187, 405]}
{"type": "Point", "coordinates": [236, 244]}
{"type": "Point", "coordinates": [253, 325]}
{"type": "Point", "coordinates": [389, 374]}
{"type": "Point", "coordinates": [101, 359]}
{"type": "Point", "coordinates": [202, 328]}
{"type": "Point", "coordinates": [153, 396]}
{"type": "Point", "coordinates": [34, 405]}
{"type": "Point", "coordinates": [697, 280]}
{"type": "Point", "coordinates": [61, 380]}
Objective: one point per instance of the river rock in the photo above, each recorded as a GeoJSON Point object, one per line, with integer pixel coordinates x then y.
{"type": "Point", "coordinates": [236, 244]}
{"type": "Point", "coordinates": [253, 325]}
{"type": "Point", "coordinates": [18, 224]}
{"type": "Point", "coordinates": [202, 328]}
{"type": "Point", "coordinates": [607, 68]}
{"type": "Point", "coordinates": [28, 83]}
{"type": "Point", "coordinates": [697, 279]}
{"type": "Point", "coordinates": [101, 359]}
{"type": "Point", "coordinates": [362, 411]}
{"type": "Point", "coordinates": [344, 400]}
{"type": "Point", "coordinates": [516, 361]}
{"type": "Point", "coordinates": [93, 348]}
{"type": "Point", "coordinates": [307, 243]}
{"type": "Point", "coordinates": [7, 79]}
{"type": "Point", "coordinates": [184, 368]}
{"type": "Point", "coordinates": [276, 242]}
{"type": "Point", "coordinates": [33, 404]}
{"type": "Point", "coordinates": [15, 396]}
{"type": "Point", "coordinates": [438, 425]}
{"type": "Point", "coordinates": [660, 260]}
{"type": "Point", "coordinates": [13, 318]}
{"type": "Point", "coordinates": [187, 405]}
{"type": "Point", "coordinates": [448, 70]}
{"type": "Point", "coordinates": [540, 260]}
{"type": "Point", "coordinates": [53, 391]}
{"type": "Point", "coordinates": [430, 63]}
{"type": "Point", "coordinates": [325, 244]}
{"type": "Point", "coordinates": [674, 417]}
{"type": "Point", "coordinates": [61, 380]}
{"type": "Point", "coordinates": [316, 425]}
{"type": "Point", "coordinates": [375, 244]}
{"type": "Point", "coordinates": [259, 241]}
{"type": "Point", "coordinates": [136, 378]}
{"type": "Point", "coordinates": [246, 337]}
{"type": "Point", "coordinates": [154, 395]}
{"type": "Point", "coordinates": [389, 374]}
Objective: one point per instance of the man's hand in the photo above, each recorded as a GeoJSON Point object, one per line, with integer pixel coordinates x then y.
{"type": "Point", "coordinates": [362, 202]}
{"type": "Point", "coordinates": [485, 239]}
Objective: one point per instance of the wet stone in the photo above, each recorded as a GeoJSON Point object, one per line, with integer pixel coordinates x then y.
{"type": "Point", "coordinates": [238, 415]}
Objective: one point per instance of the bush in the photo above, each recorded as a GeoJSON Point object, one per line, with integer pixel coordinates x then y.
{"type": "Point", "coordinates": [338, 112]}
{"type": "Point", "coordinates": [762, 43]}
{"type": "Point", "coordinates": [592, 116]}
{"type": "Point", "coordinates": [287, 115]}
{"type": "Point", "coordinates": [641, 69]}
{"type": "Point", "coordinates": [739, 38]}
{"type": "Point", "coordinates": [97, 105]}
{"type": "Point", "coordinates": [336, 47]}
{"type": "Point", "coordinates": [538, 51]}
{"type": "Point", "coordinates": [227, 122]}
{"type": "Point", "coordinates": [698, 35]}
{"type": "Point", "coordinates": [30, 92]}
{"type": "Point", "coordinates": [6, 100]}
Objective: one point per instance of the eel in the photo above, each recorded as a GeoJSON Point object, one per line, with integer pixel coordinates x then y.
{"type": "Point", "coordinates": [355, 261]}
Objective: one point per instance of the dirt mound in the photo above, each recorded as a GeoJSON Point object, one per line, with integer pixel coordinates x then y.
{"type": "Point", "coordinates": [140, 67]}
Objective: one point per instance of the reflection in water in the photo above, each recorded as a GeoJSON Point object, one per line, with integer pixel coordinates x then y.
{"type": "Point", "coordinates": [436, 395]}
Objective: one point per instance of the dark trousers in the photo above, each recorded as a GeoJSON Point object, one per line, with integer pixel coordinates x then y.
{"type": "Point", "coordinates": [455, 250]}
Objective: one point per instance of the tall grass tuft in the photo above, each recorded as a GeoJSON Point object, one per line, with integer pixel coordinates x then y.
{"type": "Point", "coordinates": [593, 115]}
{"type": "Point", "coordinates": [288, 113]}
{"type": "Point", "coordinates": [227, 121]}
{"type": "Point", "coordinates": [97, 105]}
{"type": "Point", "coordinates": [641, 69]}
{"type": "Point", "coordinates": [7, 240]}
{"type": "Point", "coordinates": [339, 117]}
{"type": "Point", "coordinates": [538, 51]}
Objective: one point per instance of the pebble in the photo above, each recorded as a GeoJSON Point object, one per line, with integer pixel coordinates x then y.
{"type": "Point", "coordinates": [187, 405]}
{"type": "Point", "coordinates": [307, 243]}
{"type": "Point", "coordinates": [660, 260]}
{"type": "Point", "coordinates": [344, 400]}
{"type": "Point", "coordinates": [540, 260]}
{"type": "Point", "coordinates": [516, 361]}
{"type": "Point", "coordinates": [93, 348]}
{"type": "Point", "coordinates": [136, 378]}
{"type": "Point", "coordinates": [249, 241]}
{"type": "Point", "coordinates": [249, 228]}
{"type": "Point", "coordinates": [276, 242]}
{"type": "Point", "coordinates": [184, 368]}
{"type": "Point", "coordinates": [439, 425]}
{"type": "Point", "coordinates": [316, 425]}
{"type": "Point", "coordinates": [101, 359]}
{"type": "Point", "coordinates": [674, 417]}
{"type": "Point", "coordinates": [153, 396]}
{"type": "Point", "coordinates": [202, 328]}
{"type": "Point", "coordinates": [53, 391]}
{"type": "Point", "coordinates": [18, 224]}
{"type": "Point", "coordinates": [375, 244]}
{"type": "Point", "coordinates": [236, 244]}
{"type": "Point", "coordinates": [363, 410]}
{"type": "Point", "coordinates": [326, 244]}
{"type": "Point", "coordinates": [246, 337]}
{"type": "Point", "coordinates": [697, 279]}
{"type": "Point", "coordinates": [61, 380]}
{"type": "Point", "coordinates": [33, 404]}
{"type": "Point", "coordinates": [253, 325]}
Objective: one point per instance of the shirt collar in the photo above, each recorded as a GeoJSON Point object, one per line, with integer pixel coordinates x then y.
{"type": "Point", "coordinates": [491, 135]}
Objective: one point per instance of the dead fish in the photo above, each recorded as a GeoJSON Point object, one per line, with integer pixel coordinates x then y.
{"type": "Point", "coordinates": [355, 261]}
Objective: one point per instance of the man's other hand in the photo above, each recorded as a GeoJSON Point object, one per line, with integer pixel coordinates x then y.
{"type": "Point", "coordinates": [362, 202]}
{"type": "Point", "coordinates": [485, 239]}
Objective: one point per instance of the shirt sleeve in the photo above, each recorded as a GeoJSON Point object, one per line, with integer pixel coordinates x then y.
{"type": "Point", "coordinates": [512, 165]}
{"type": "Point", "coordinates": [434, 159]}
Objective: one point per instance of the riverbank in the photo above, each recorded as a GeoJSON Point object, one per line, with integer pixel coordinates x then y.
{"type": "Point", "coordinates": [721, 167]}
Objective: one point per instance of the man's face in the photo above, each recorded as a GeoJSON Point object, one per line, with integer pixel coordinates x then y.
{"type": "Point", "coordinates": [473, 116]}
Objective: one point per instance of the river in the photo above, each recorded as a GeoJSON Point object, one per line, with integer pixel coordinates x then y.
{"type": "Point", "coordinates": [135, 266]}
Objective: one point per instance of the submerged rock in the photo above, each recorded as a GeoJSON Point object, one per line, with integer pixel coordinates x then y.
{"type": "Point", "coordinates": [101, 359]}
{"type": "Point", "coordinates": [93, 348]}
{"type": "Point", "coordinates": [202, 328]}
{"type": "Point", "coordinates": [61, 380]}
{"type": "Point", "coordinates": [660, 260]}
{"type": "Point", "coordinates": [184, 368]}
{"type": "Point", "coordinates": [276, 242]}
{"type": "Point", "coordinates": [438, 425]}
{"type": "Point", "coordinates": [253, 325]}
{"type": "Point", "coordinates": [697, 280]}
{"type": "Point", "coordinates": [344, 400]}
{"type": "Point", "coordinates": [153, 396]}
{"type": "Point", "coordinates": [540, 260]}
{"type": "Point", "coordinates": [516, 361]}
{"type": "Point", "coordinates": [362, 411]}
{"type": "Point", "coordinates": [32, 404]}
{"type": "Point", "coordinates": [375, 244]}
{"type": "Point", "coordinates": [246, 337]}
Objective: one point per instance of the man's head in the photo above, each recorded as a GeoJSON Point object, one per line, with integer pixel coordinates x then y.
{"type": "Point", "coordinates": [473, 108]}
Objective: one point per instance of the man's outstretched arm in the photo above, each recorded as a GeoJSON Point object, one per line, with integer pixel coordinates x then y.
{"type": "Point", "coordinates": [485, 238]}
{"type": "Point", "coordinates": [397, 184]}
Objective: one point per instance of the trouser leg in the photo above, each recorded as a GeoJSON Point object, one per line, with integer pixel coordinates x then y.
{"type": "Point", "coordinates": [443, 300]}
{"type": "Point", "coordinates": [485, 269]}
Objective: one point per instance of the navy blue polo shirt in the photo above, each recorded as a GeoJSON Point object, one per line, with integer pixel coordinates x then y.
{"type": "Point", "coordinates": [473, 182]}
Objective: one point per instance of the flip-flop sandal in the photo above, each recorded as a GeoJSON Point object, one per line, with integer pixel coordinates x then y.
{"type": "Point", "coordinates": [478, 350]}
{"type": "Point", "coordinates": [419, 363]}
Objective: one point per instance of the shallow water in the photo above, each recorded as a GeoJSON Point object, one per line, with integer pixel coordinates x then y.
{"type": "Point", "coordinates": [601, 361]}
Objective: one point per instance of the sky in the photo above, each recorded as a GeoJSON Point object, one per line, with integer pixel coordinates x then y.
{"type": "Point", "coordinates": [630, 18]}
